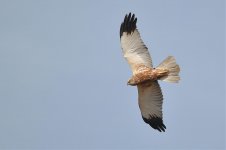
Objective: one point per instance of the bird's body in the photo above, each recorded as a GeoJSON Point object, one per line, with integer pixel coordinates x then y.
{"type": "Point", "coordinates": [145, 74]}
{"type": "Point", "coordinates": [145, 77]}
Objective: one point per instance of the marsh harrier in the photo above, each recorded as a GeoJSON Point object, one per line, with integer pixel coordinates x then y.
{"type": "Point", "coordinates": [145, 77]}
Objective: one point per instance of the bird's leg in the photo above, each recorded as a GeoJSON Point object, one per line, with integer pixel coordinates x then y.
{"type": "Point", "coordinates": [158, 73]}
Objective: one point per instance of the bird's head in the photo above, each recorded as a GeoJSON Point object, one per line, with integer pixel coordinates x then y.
{"type": "Point", "coordinates": [131, 82]}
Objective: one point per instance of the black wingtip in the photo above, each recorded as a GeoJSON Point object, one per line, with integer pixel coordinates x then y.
{"type": "Point", "coordinates": [156, 123]}
{"type": "Point", "coordinates": [129, 24]}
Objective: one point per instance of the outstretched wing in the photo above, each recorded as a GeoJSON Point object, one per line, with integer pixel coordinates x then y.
{"type": "Point", "coordinates": [133, 47]}
{"type": "Point", "coordinates": [150, 103]}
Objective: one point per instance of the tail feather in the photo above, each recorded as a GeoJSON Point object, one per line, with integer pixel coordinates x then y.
{"type": "Point", "coordinates": [170, 64]}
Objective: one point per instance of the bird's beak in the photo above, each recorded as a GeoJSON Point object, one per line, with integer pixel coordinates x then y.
{"type": "Point", "coordinates": [131, 84]}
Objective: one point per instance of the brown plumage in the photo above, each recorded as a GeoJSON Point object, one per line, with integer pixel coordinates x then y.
{"type": "Point", "coordinates": [147, 75]}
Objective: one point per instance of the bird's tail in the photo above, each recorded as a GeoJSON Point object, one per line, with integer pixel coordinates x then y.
{"type": "Point", "coordinates": [173, 70]}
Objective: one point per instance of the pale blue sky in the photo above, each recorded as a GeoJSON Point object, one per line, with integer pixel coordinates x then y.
{"type": "Point", "coordinates": [63, 77]}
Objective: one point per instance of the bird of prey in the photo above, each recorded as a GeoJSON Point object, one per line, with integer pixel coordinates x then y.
{"type": "Point", "coordinates": [145, 76]}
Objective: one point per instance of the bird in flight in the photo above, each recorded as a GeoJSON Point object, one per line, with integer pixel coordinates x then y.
{"type": "Point", "coordinates": [144, 76]}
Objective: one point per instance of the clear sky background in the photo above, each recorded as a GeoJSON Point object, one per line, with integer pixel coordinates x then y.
{"type": "Point", "coordinates": [63, 77]}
